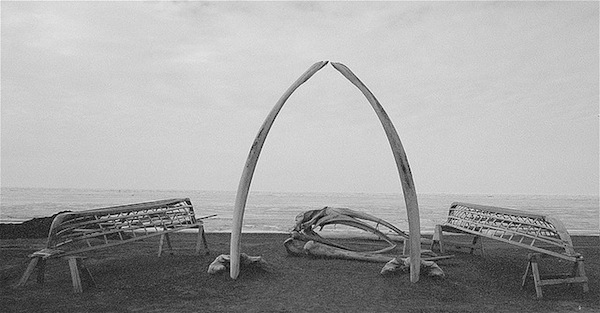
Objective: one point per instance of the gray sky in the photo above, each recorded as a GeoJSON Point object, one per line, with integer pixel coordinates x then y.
{"type": "Point", "coordinates": [486, 97]}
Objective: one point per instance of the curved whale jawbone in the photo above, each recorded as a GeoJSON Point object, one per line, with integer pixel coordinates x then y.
{"type": "Point", "coordinates": [246, 179]}
{"type": "Point", "coordinates": [408, 187]}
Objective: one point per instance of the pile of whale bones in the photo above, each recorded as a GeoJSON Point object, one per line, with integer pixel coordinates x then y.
{"type": "Point", "coordinates": [305, 241]}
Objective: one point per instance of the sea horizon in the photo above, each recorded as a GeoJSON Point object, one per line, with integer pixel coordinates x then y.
{"type": "Point", "coordinates": [268, 211]}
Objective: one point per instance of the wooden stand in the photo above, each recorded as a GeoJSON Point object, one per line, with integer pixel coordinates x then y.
{"type": "Point", "coordinates": [76, 266]}
{"type": "Point", "coordinates": [438, 238]}
{"type": "Point", "coordinates": [577, 275]}
{"type": "Point", "coordinates": [200, 240]}
{"type": "Point", "coordinates": [161, 243]}
{"type": "Point", "coordinates": [40, 264]}
{"type": "Point", "coordinates": [79, 270]}
{"type": "Point", "coordinates": [74, 233]}
{"type": "Point", "coordinates": [543, 234]}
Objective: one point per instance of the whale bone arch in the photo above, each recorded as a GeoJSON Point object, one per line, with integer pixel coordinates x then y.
{"type": "Point", "coordinates": [408, 188]}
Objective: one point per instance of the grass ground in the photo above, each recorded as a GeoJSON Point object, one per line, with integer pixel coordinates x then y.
{"type": "Point", "coordinates": [131, 278]}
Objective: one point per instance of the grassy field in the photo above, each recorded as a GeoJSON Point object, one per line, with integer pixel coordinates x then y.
{"type": "Point", "coordinates": [131, 278]}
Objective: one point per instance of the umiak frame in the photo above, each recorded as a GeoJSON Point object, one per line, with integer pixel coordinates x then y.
{"type": "Point", "coordinates": [74, 233]}
{"type": "Point", "coordinates": [408, 187]}
{"type": "Point", "coordinates": [545, 235]}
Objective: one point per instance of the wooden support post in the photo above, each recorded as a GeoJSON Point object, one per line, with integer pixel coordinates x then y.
{"type": "Point", "coordinates": [533, 259]}
{"type": "Point", "coordinates": [78, 271]}
{"type": "Point", "coordinates": [581, 273]}
{"type": "Point", "coordinates": [201, 237]}
{"type": "Point", "coordinates": [198, 239]}
{"type": "Point", "coordinates": [162, 242]}
{"type": "Point", "coordinates": [437, 238]}
{"type": "Point", "coordinates": [77, 287]}
{"type": "Point", "coordinates": [30, 268]}
{"type": "Point", "coordinates": [524, 278]}
{"type": "Point", "coordinates": [477, 244]}
{"type": "Point", "coordinates": [577, 275]}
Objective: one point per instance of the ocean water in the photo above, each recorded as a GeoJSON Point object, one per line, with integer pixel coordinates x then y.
{"type": "Point", "coordinates": [275, 211]}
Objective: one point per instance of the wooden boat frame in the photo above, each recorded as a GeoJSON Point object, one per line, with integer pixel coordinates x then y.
{"type": "Point", "coordinates": [74, 233]}
{"type": "Point", "coordinates": [542, 234]}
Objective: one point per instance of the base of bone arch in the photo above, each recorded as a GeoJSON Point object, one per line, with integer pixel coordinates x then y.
{"type": "Point", "coordinates": [428, 268]}
{"type": "Point", "coordinates": [221, 263]}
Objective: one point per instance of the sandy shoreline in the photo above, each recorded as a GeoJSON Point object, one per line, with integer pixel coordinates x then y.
{"type": "Point", "coordinates": [135, 279]}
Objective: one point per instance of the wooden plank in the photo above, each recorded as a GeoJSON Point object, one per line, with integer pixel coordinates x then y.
{"type": "Point", "coordinates": [533, 248]}
{"type": "Point", "coordinates": [161, 242]}
{"type": "Point", "coordinates": [30, 268]}
{"type": "Point", "coordinates": [202, 237]}
{"type": "Point", "coordinates": [526, 275]}
{"type": "Point", "coordinates": [75, 278]}
{"type": "Point", "coordinates": [567, 280]}
{"type": "Point", "coordinates": [536, 278]}
{"type": "Point", "coordinates": [497, 209]}
{"type": "Point", "coordinates": [135, 206]}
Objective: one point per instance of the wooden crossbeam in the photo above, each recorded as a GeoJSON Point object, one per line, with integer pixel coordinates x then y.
{"type": "Point", "coordinates": [577, 276]}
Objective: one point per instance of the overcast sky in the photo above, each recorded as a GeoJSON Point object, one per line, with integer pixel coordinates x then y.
{"type": "Point", "coordinates": [486, 97]}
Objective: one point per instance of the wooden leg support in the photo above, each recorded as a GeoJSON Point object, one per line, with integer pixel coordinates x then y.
{"type": "Point", "coordinates": [77, 287]}
{"type": "Point", "coordinates": [78, 270]}
{"type": "Point", "coordinates": [536, 276]}
{"type": "Point", "coordinates": [30, 268]}
{"type": "Point", "coordinates": [581, 274]}
{"type": "Point", "coordinates": [201, 237]}
{"type": "Point", "coordinates": [437, 238]}
{"type": "Point", "coordinates": [162, 242]}
{"type": "Point", "coordinates": [526, 275]}
{"type": "Point", "coordinates": [200, 240]}
{"type": "Point", "coordinates": [577, 276]}
{"type": "Point", "coordinates": [477, 243]}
